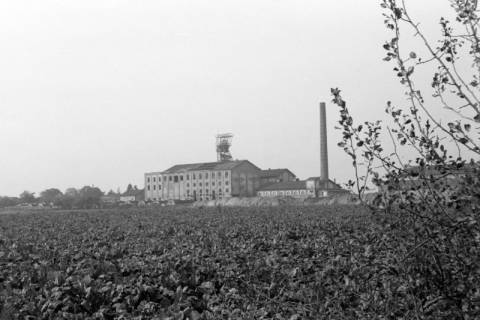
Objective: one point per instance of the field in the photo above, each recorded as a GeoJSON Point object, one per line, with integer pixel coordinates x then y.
{"type": "Point", "coordinates": [182, 263]}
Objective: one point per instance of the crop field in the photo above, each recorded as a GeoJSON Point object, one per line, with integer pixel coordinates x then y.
{"type": "Point", "coordinates": [215, 263]}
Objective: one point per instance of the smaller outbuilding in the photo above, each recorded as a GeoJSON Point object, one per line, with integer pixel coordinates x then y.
{"type": "Point", "coordinates": [296, 189]}
{"type": "Point", "coordinates": [133, 195]}
{"type": "Point", "coordinates": [327, 188]}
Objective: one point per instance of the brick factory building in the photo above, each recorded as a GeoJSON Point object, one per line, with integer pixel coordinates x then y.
{"type": "Point", "coordinates": [271, 176]}
{"type": "Point", "coordinates": [203, 181]}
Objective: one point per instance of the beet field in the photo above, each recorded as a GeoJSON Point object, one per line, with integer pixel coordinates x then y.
{"type": "Point", "coordinates": [217, 263]}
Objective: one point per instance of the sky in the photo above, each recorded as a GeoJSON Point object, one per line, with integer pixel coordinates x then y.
{"type": "Point", "coordinates": [98, 92]}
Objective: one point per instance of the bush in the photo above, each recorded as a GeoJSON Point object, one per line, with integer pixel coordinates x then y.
{"type": "Point", "coordinates": [435, 194]}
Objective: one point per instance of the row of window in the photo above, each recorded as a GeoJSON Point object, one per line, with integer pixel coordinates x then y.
{"type": "Point", "coordinates": [283, 193]}
{"type": "Point", "coordinates": [207, 192]}
{"type": "Point", "coordinates": [206, 184]}
{"type": "Point", "coordinates": [202, 197]}
{"type": "Point", "coordinates": [154, 187]}
{"type": "Point", "coordinates": [188, 176]}
{"type": "Point", "coordinates": [188, 190]}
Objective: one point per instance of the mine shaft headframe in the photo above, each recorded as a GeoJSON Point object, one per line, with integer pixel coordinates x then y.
{"type": "Point", "coordinates": [224, 142]}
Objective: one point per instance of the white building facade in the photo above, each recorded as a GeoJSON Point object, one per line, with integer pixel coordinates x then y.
{"type": "Point", "coordinates": [202, 181]}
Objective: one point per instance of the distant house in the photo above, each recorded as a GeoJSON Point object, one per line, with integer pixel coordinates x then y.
{"type": "Point", "coordinates": [272, 176]}
{"type": "Point", "coordinates": [110, 198]}
{"type": "Point", "coordinates": [441, 177]}
{"type": "Point", "coordinates": [326, 188]}
{"type": "Point", "coordinates": [296, 189]}
{"type": "Point", "coordinates": [133, 195]}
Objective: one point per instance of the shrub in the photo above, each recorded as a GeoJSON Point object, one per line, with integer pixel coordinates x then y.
{"type": "Point", "coordinates": [435, 194]}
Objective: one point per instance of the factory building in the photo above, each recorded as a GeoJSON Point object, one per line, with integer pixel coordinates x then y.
{"type": "Point", "coordinates": [203, 181]}
{"type": "Point", "coordinates": [313, 187]}
{"type": "Point", "coordinates": [238, 178]}
{"type": "Point", "coordinates": [272, 176]}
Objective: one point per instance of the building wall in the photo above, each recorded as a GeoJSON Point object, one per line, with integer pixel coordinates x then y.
{"type": "Point", "coordinates": [300, 193]}
{"type": "Point", "coordinates": [245, 180]}
{"type": "Point", "coordinates": [188, 185]}
{"type": "Point", "coordinates": [283, 177]}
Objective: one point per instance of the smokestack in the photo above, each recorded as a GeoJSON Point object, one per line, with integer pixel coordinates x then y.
{"type": "Point", "coordinates": [323, 143]}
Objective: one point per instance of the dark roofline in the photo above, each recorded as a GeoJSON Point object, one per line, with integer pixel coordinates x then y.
{"type": "Point", "coordinates": [279, 169]}
{"type": "Point", "coordinates": [330, 180]}
{"type": "Point", "coordinates": [235, 163]}
{"type": "Point", "coordinates": [250, 163]}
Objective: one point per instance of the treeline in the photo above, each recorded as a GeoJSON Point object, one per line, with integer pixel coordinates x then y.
{"type": "Point", "coordinates": [85, 198]}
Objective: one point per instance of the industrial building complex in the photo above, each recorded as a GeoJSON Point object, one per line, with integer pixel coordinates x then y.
{"type": "Point", "coordinates": [228, 178]}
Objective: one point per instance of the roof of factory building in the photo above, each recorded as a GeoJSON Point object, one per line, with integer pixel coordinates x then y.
{"type": "Point", "coordinates": [286, 185]}
{"type": "Point", "coordinates": [204, 166]}
{"type": "Point", "coordinates": [275, 172]}
{"type": "Point", "coordinates": [326, 184]}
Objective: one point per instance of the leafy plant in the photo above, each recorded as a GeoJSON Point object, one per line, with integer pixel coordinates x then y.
{"type": "Point", "coordinates": [435, 191]}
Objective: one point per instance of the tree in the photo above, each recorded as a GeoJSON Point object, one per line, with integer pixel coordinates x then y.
{"type": "Point", "coordinates": [89, 197]}
{"type": "Point", "coordinates": [27, 197]}
{"type": "Point", "coordinates": [8, 202]}
{"type": "Point", "coordinates": [51, 195]}
{"type": "Point", "coordinates": [430, 181]}
{"type": "Point", "coordinates": [68, 199]}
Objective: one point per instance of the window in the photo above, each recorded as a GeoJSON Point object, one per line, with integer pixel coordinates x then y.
{"type": "Point", "coordinates": [206, 184]}
{"type": "Point", "coordinates": [148, 188]}
{"type": "Point", "coordinates": [154, 187]}
{"type": "Point", "coordinates": [226, 183]}
{"type": "Point", "coordinates": [165, 178]}
{"type": "Point", "coordinates": [175, 179]}
{"type": "Point", "coordinates": [194, 184]}
{"type": "Point", "coordinates": [213, 183]}
{"type": "Point", "coordinates": [219, 183]}
{"type": "Point", "coordinates": [181, 178]}
{"type": "Point", "coordinates": [194, 176]}
{"type": "Point", "coordinates": [154, 180]}
{"type": "Point", "coordinates": [148, 179]}
{"type": "Point", "coordinates": [206, 191]}
{"type": "Point", "coordinates": [169, 178]}
{"type": "Point", "coordinates": [213, 175]}
{"type": "Point", "coordinates": [159, 187]}
{"type": "Point", "coordinates": [188, 177]}
{"type": "Point", "coordinates": [200, 184]}
{"type": "Point", "coordinates": [219, 174]}
{"type": "Point", "coordinates": [188, 185]}
{"type": "Point", "coordinates": [226, 174]}
{"type": "Point", "coordinates": [226, 190]}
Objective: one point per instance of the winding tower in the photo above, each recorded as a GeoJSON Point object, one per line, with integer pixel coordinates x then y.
{"type": "Point", "coordinates": [224, 142]}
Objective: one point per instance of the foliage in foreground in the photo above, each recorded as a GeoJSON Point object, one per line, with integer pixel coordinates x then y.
{"type": "Point", "coordinates": [430, 177]}
{"type": "Point", "coordinates": [236, 263]}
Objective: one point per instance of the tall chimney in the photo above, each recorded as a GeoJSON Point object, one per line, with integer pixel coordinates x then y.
{"type": "Point", "coordinates": [323, 143]}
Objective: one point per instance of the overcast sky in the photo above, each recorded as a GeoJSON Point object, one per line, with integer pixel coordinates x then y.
{"type": "Point", "coordinates": [101, 91]}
